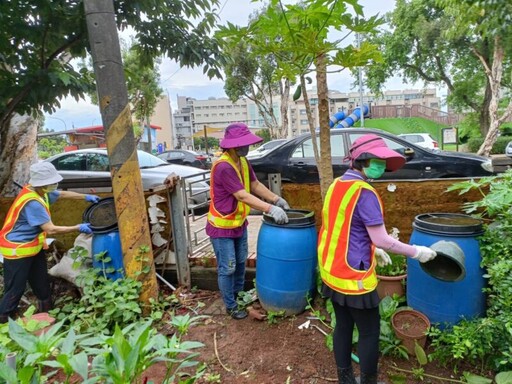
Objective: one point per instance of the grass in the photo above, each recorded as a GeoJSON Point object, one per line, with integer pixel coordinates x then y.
{"type": "Point", "coordinates": [406, 125]}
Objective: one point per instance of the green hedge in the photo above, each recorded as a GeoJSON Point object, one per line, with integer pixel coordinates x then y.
{"type": "Point", "coordinates": [498, 147]}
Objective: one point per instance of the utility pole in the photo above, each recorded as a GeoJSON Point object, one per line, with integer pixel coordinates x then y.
{"type": "Point", "coordinates": [360, 73]}
{"type": "Point", "coordinates": [122, 151]}
{"type": "Point", "coordinates": [205, 140]}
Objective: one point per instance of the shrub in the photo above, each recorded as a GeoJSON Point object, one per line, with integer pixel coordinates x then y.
{"type": "Point", "coordinates": [498, 147]}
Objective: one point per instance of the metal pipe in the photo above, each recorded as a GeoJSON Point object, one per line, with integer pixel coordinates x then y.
{"type": "Point", "coordinates": [10, 360]}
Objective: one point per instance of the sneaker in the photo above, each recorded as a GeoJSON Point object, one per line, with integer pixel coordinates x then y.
{"type": "Point", "coordinates": [237, 314]}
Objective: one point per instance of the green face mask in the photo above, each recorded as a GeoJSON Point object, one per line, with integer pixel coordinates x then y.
{"type": "Point", "coordinates": [376, 168]}
{"type": "Point", "coordinates": [50, 188]}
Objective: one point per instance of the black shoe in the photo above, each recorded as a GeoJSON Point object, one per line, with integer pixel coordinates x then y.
{"type": "Point", "coordinates": [238, 314]}
{"type": "Point", "coordinates": [346, 376]}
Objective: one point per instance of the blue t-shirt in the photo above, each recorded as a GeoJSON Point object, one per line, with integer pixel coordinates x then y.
{"type": "Point", "coordinates": [32, 216]}
{"type": "Point", "coordinates": [367, 213]}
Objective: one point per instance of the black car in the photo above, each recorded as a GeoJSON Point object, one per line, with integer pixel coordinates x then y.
{"type": "Point", "coordinates": [295, 160]}
{"type": "Point", "coordinates": [186, 157]}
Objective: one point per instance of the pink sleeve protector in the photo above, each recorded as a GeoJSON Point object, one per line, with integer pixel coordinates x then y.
{"type": "Point", "coordinates": [382, 240]}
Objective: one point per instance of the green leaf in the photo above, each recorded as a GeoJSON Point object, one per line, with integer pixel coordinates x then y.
{"type": "Point", "coordinates": [80, 364]}
{"type": "Point", "coordinates": [8, 374]}
{"type": "Point", "coordinates": [504, 378]}
{"type": "Point", "coordinates": [421, 356]}
{"type": "Point", "coordinates": [475, 379]}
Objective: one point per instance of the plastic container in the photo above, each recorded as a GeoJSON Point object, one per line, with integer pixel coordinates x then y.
{"type": "Point", "coordinates": [446, 301]}
{"type": "Point", "coordinates": [105, 238]}
{"type": "Point", "coordinates": [286, 262]}
{"type": "Point", "coordinates": [111, 244]}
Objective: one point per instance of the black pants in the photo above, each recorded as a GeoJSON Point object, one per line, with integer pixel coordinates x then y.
{"type": "Point", "coordinates": [368, 325]}
{"type": "Point", "coordinates": [16, 274]}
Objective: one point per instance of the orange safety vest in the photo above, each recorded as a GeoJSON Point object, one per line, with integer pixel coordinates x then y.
{"type": "Point", "coordinates": [236, 218]}
{"type": "Point", "coordinates": [16, 250]}
{"type": "Point", "coordinates": [334, 238]}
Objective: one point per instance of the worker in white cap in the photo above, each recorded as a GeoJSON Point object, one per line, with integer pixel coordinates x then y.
{"type": "Point", "coordinates": [23, 238]}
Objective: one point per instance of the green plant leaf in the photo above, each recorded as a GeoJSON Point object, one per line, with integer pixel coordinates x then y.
{"type": "Point", "coordinates": [504, 378]}
{"type": "Point", "coordinates": [80, 364]}
{"type": "Point", "coordinates": [421, 356]}
{"type": "Point", "coordinates": [8, 374]}
{"type": "Point", "coordinates": [475, 379]}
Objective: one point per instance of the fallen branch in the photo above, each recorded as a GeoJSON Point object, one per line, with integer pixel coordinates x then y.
{"type": "Point", "coordinates": [427, 375]}
{"type": "Point", "coordinates": [217, 354]}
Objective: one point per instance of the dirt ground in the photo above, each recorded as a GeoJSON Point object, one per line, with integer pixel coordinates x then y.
{"type": "Point", "coordinates": [255, 351]}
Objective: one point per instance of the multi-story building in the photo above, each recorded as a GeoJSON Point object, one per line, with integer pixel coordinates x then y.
{"type": "Point", "coordinates": [194, 115]}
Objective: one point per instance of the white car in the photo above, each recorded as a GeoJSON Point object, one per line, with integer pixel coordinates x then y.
{"type": "Point", "coordinates": [423, 140]}
{"type": "Point", "coordinates": [265, 148]}
{"type": "Point", "coordinates": [93, 163]}
{"type": "Point", "coordinates": [508, 149]}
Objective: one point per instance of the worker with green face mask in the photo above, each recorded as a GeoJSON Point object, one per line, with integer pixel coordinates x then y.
{"type": "Point", "coordinates": [352, 241]}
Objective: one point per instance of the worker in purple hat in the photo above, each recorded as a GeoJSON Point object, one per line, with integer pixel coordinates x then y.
{"type": "Point", "coordinates": [234, 190]}
{"type": "Point", "coordinates": [352, 241]}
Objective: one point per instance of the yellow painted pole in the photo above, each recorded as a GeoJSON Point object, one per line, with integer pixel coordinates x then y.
{"type": "Point", "coordinates": [124, 165]}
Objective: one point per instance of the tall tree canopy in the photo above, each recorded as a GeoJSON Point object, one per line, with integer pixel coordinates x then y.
{"type": "Point", "coordinates": [296, 35]}
{"type": "Point", "coordinates": [437, 42]}
{"type": "Point", "coordinates": [39, 37]}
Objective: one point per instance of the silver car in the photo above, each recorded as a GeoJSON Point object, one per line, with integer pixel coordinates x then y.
{"type": "Point", "coordinates": [508, 149]}
{"type": "Point", "coordinates": [94, 163]}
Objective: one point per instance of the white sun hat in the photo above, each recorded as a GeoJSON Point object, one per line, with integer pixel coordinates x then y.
{"type": "Point", "coordinates": [42, 174]}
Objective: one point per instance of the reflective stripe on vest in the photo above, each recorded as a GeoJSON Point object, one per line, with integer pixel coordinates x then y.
{"type": "Point", "coordinates": [17, 250]}
{"type": "Point", "coordinates": [334, 238]}
{"type": "Point", "coordinates": [237, 218]}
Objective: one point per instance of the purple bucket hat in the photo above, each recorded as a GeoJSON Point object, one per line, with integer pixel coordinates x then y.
{"type": "Point", "coordinates": [238, 135]}
{"type": "Point", "coordinates": [371, 146]}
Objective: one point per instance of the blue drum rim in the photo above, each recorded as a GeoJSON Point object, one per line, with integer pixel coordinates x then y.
{"type": "Point", "coordinates": [307, 221]}
{"type": "Point", "coordinates": [446, 229]}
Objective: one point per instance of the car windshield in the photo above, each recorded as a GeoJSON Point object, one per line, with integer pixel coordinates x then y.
{"type": "Point", "coordinates": [147, 160]}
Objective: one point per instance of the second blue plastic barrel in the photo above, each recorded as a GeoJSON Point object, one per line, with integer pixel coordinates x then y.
{"type": "Point", "coordinates": [446, 302]}
{"type": "Point", "coordinates": [111, 244]}
{"type": "Point", "coordinates": [286, 262]}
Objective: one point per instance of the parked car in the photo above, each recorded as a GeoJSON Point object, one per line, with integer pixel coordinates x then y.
{"type": "Point", "coordinates": [94, 163]}
{"type": "Point", "coordinates": [508, 149]}
{"type": "Point", "coordinates": [265, 148]}
{"type": "Point", "coordinates": [186, 157]}
{"type": "Point", "coordinates": [295, 160]}
{"type": "Point", "coordinates": [423, 140]}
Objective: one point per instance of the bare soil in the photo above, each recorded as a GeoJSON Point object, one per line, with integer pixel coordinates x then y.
{"type": "Point", "coordinates": [255, 351]}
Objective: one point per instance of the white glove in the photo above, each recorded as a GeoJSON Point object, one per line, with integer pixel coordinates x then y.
{"type": "Point", "coordinates": [278, 214]}
{"type": "Point", "coordinates": [424, 254]}
{"type": "Point", "coordinates": [383, 258]}
{"type": "Point", "coordinates": [282, 203]}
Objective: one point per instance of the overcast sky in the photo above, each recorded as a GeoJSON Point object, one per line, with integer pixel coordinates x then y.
{"type": "Point", "coordinates": [192, 83]}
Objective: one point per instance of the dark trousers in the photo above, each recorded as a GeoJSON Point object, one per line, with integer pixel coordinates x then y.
{"type": "Point", "coordinates": [368, 325]}
{"type": "Point", "coordinates": [16, 274]}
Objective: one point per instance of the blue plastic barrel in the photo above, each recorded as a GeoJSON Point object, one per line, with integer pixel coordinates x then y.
{"type": "Point", "coordinates": [447, 302]}
{"type": "Point", "coordinates": [111, 244]}
{"type": "Point", "coordinates": [286, 262]}
{"type": "Point", "coordinates": [105, 237]}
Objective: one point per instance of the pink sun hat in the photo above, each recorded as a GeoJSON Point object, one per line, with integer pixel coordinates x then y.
{"type": "Point", "coordinates": [371, 146]}
{"type": "Point", "coordinates": [238, 135]}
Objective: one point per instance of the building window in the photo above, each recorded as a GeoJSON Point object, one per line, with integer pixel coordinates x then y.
{"type": "Point", "coordinates": [303, 122]}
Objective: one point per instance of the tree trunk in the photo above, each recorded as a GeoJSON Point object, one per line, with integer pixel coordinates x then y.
{"type": "Point", "coordinates": [484, 118]}
{"type": "Point", "coordinates": [325, 163]}
{"type": "Point", "coordinates": [285, 100]}
{"type": "Point", "coordinates": [494, 75]}
{"type": "Point", "coordinates": [18, 144]}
